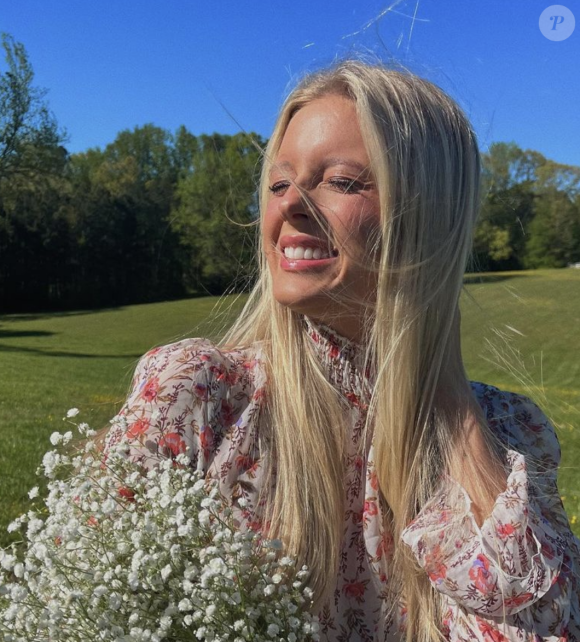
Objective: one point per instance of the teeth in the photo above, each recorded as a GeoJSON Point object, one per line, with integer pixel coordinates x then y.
{"type": "Point", "coordinates": [305, 253]}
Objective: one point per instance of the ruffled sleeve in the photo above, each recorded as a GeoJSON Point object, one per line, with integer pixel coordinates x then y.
{"type": "Point", "coordinates": [495, 571]}
{"type": "Point", "coordinates": [525, 554]}
{"type": "Point", "coordinates": [179, 403]}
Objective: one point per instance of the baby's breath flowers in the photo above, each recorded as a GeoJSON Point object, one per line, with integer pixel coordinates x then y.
{"type": "Point", "coordinates": [116, 553]}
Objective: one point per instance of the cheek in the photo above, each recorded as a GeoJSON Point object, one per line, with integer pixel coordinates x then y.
{"type": "Point", "coordinates": [270, 229]}
{"type": "Point", "coordinates": [361, 233]}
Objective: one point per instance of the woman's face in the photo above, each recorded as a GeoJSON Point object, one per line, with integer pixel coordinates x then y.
{"type": "Point", "coordinates": [321, 265]}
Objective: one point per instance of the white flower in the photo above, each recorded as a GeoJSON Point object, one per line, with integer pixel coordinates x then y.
{"type": "Point", "coordinates": [18, 593]}
{"type": "Point", "coordinates": [275, 544]}
{"type": "Point", "coordinates": [83, 428]}
{"type": "Point", "coordinates": [138, 567]}
{"type": "Point", "coordinates": [7, 561]}
{"type": "Point", "coordinates": [49, 462]}
{"type": "Point", "coordinates": [165, 501]}
{"type": "Point", "coordinates": [273, 630]}
{"type": "Point", "coordinates": [33, 492]}
{"type": "Point", "coordinates": [16, 524]}
{"type": "Point", "coordinates": [217, 565]}
{"type": "Point", "coordinates": [55, 438]}
{"type": "Point", "coordinates": [294, 622]}
{"type": "Point", "coordinates": [109, 506]}
{"type": "Point", "coordinates": [185, 605]}
{"type": "Point", "coordinates": [72, 412]}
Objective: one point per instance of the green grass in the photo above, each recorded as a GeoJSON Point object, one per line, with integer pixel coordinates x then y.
{"type": "Point", "coordinates": [521, 332]}
{"type": "Point", "coordinates": [52, 362]}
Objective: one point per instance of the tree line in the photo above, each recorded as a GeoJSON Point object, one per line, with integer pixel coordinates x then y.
{"type": "Point", "coordinates": [158, 215]}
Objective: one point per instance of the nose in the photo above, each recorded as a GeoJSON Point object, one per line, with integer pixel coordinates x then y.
{"type": "Point", "coordinates": [295, 203]}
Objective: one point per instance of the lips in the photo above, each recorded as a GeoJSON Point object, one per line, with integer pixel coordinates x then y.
{"type": "Point", "coordinates": [306, 241]}
{"type": "Point", "coordinates": [302, 256]}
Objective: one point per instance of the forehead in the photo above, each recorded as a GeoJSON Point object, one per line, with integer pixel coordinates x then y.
{"type": "Point", "coordinates": [325, 127]}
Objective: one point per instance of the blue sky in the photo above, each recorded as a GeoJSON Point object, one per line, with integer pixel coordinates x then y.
{"type": "Point", "coordinates": [223, 65]}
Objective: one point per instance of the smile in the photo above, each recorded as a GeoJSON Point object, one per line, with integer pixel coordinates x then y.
{"type": "Point", "coordinates": [300, 252]}
{"type": "Point", "coordinates": [304, 264]}
{"type": "Point", "coordinates": [306, 253]}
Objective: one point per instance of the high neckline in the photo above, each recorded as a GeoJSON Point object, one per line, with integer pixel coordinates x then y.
{"type": "Point", "coordinates": [342, 359]}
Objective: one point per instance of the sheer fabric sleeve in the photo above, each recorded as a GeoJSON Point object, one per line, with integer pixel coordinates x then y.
{"type": "Point", "coordinates": [175, 405]}
{"type": "Point", "coordinates": [524, 558]}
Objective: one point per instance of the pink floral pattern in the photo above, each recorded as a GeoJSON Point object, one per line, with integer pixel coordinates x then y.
{"type": "Point", "coordinates": [515, 578]}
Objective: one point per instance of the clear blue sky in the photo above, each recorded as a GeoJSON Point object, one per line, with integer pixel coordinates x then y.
{"type": "Point", "coordinates": [114, 64]}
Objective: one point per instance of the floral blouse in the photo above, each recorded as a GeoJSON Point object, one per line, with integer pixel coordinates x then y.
{"type": "Point", "coordinates": [513, 578]}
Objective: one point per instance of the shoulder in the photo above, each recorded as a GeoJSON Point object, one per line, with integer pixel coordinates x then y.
{"type": "Point", "coordinates": [185, 396]}
{"type": "Point", "coordinates": [520, 423]}
{"type": "Point", "coordinates": [196, 377]}
{"type": "Point", "coordinates": [196, 362]}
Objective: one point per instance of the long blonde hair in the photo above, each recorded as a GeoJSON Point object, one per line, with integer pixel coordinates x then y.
{"type": "Point", "coordinates": [426, 165]}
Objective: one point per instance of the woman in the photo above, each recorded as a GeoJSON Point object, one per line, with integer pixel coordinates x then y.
{"type": "Point", "coordinates": [338, 406]}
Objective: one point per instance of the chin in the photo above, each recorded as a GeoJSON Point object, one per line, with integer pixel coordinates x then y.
{"type": "Point", "coordinates": [315, 304]}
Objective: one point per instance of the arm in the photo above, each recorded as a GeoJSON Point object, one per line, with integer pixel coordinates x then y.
{"type": "Point", "coordinates": [473, 450]}
{"type": "Point", "coordinates": [521, 563]}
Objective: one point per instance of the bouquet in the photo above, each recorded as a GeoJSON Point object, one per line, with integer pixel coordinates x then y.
{"type": "Point", "coordinates": [117, 553]}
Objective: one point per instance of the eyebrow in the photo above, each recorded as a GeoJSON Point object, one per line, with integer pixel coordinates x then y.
{"type": "Point", "coordinates": [328, 162]}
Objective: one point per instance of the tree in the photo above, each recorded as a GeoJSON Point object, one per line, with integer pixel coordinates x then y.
{"type": "Point", "coordinates": [30, 140]}
{"type": "Point", "coordinates": [216, 212]}
{"type": "Point", "coordinates": [554, 234]}
{"type": "Point", "coordinates": [34, 236]}
{"type": "Point", "coordinates": [500, 235]}
{"type": "Point", "coordinates": [126, 248]}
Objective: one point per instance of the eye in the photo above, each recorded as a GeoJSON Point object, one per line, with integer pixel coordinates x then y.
{"type": "Point", "coordinates": [345, 185]}
{"type": "Point", "coordinates": [279, 187]}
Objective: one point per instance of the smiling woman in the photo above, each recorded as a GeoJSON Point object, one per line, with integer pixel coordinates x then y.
{"type": "Point", "coordinates": [336, 413]}
{"type": "Point", "coordinates": [323, 200]}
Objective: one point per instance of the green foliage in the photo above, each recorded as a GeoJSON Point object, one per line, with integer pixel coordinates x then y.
{"type": "Point", "coordinates": [554, 239]}
{"type": "Point", "coordinates": [119, 211]}
{"type": "Point", "coordinates": [528, 216]}
{"type": "Point", "coordinates": [500, 235]}
{"type": "Point", "coordinates": [29, 136]}
{"type": "Point", "coordinates": [216, 212]}
{"type": "Point", "coordinates": [156, 215]}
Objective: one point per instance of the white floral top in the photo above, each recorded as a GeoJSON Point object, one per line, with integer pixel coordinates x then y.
{"type": "Point", "coordinates": [515, 578]}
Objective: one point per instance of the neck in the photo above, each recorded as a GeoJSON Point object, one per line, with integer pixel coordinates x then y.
{"type": "Point", "coordinates": [348, 325]}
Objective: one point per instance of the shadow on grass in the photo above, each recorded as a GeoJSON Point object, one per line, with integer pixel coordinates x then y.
{"type": "Point", "coordinates": [59, 353]}
{"type": "Point", "coordinates": [38, 316]}
{"type": "Point", "coordinates": [51, 314]}
{"type": "Point", "coordinates": [10, 334]}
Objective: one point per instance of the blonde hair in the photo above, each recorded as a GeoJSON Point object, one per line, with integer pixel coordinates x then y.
{"type": "Point", "coordinates": [426, 166]}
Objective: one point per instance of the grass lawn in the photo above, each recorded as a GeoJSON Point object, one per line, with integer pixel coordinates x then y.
{"type": "Point", "coordinates": [521, 332]}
